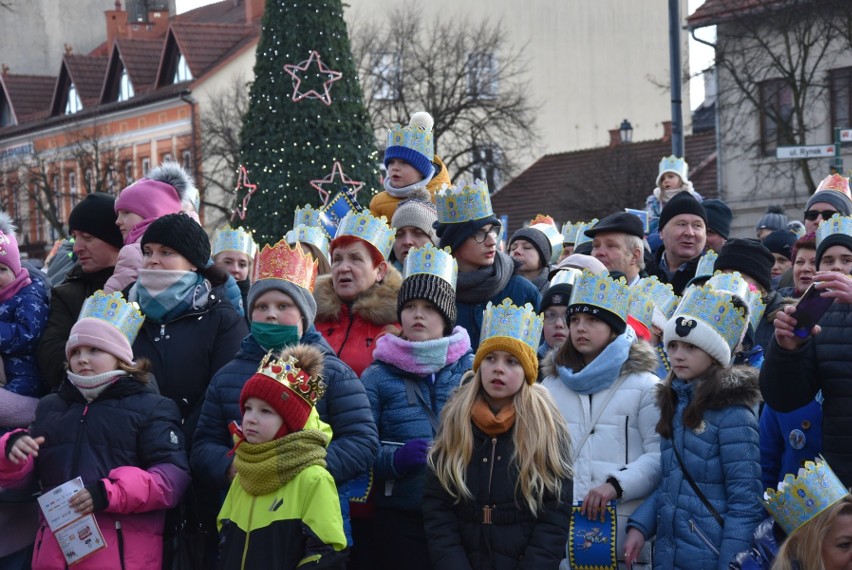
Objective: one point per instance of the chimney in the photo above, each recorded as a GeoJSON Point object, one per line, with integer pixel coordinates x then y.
{"type": "Point", "coordinates": [154, 28]}
{"type": "Point", "coordinates": [254, 10]}
{"type": "Point", "coordinates": [614, 138]}
{"type": "Point", "coordinates": [667, 130]}
{"type": "Point", "coordinates": [116, 24]}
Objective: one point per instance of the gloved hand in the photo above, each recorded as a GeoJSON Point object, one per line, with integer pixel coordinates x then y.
{"type": "Point", "coordinates": [411, 455]}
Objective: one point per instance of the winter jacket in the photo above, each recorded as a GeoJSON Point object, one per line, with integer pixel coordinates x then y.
{"type": "Point", "coordinates": [66, 301]}
{"type": "Point", "coordinates": [723, 457]}
{"type": "Point", "coordinates": [187, 351]}
{"type": "Point", "coordinates": [383, 204]}
{"type": "Point", "coordinates": [460, 539]}
{"type": "Point", "coordinates": [401, 417]}
{"type": "Point", "coordinates": [787, 440]}
{"type": "Point", "coordinates": [128, 440]}
{"type": "Point", "coordinates": [352, 328]}
{"type": "Point", "coordinates": [766, 327]}
{"type": "Point", "coordinates": [682, 275]}
{"type": "Point", "coordinates": [127, 267]}
{"type": "Point", "coordinates": [518, 289]}
{"type": "Point", "coordinates": [790, 379]}
{"type": "Point", "coordinates": [23, 318]}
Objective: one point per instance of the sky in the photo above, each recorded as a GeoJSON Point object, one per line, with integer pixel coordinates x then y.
{"type": "Point", "coordinates": [700, 56]}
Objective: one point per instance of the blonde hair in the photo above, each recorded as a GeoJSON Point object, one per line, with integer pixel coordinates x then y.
{"type": "Point", "coordinates": [804, 547]}
{"type": "Point", "coordinates": [542, 444]}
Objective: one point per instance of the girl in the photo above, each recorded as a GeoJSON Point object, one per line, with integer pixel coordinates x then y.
{"type": "Point", "coordinates": [233, 251]}
{"type": "Point", "coordinates": [603, 382]}
{"type": "Point", "coordinates": [107, 425]}
{"type": "Point", "coordinates": [498, 491]}
{"type": "Point", "coordinates": [409, 384]}
{"type": "Point", "coordinates": [708, 504]}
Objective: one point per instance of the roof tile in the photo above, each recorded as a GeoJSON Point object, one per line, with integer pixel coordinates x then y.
{"type": "Point", "coordinates": [29, 95]}
{"type": "Point", "coordinates": [142, 59]}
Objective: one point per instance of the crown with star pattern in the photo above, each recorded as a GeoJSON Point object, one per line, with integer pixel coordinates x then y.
{"type": "Point", "coordinates": [507, 320]}
{"type": "Point", "coordinates": [286, 263]}
{"type": "Point", "coordinates": [311, 235]}
{"type": "Point", "coordinates": [374, 231]}
{"type": "Point", "coordinates": [581, 232]}
{"type": "Point", "coordinates": [287, 372]}
{"type": "Point", "coordinates": [835, 225]}
{"type": "Point", "coordinates": [603, 292]}
{"type": "Point", "coordinates": [463, 202]}
{"type": "Point", "coordinates": [662, 294]}
{"type": "Point", "coordinates": [569, 232]}
{"type": "Point", "coordinates": [803, 496]}
{"type": "Point", "coordinates": [429, 260]}
{"type": "Point", "coordinates": [233, 239]}
{"type": "Point", "coordinates": [307, 215]}
{"type": "Point", "coordinates": [706, 264]}
{"type": "Point", "coordinates": [641, 307]}
{"type": "Point", "coordinates": [115, 310]}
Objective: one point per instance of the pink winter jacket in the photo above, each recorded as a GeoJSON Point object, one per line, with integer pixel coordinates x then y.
{"type": "Point", "coordinates": [127, 267]}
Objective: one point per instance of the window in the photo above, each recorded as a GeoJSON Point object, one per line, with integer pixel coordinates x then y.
{"type": "Point", "coordinates": [90, 180]}
{"type": "Point", "coordinates": [110, 179]}
{"type": "Point", "coordinates": [167, 157]}
{"type": "Point", "coordinates": [125, 87]}
{"type": "Point", "coordinates": [386, 76]}
{"type": "Point", "coordinates": [73, 103]}
{"type": "Point", "coordinates": [182, 72]}
{"type": "Point", "coordinates": [776, 115]}
{"type": "Point", "coordinates": [485, 160]}
{"type": "Point", "coordinates": [841, 98]}
{"type": "Point", "coordinates": [186, 161]}
{"type": "Point", "coordinates": [482, 75]}
{"type": "Point", "coordinates": [128, 173]}
{"type": "Point", "coordinates": [146, 166]}
{"type": "Point", "coordinates": [72, 188]}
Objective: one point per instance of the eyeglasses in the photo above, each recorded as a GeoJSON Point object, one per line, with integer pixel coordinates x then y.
{"type": "Point", "coordinates": [811, 215]}
{"type": "Point", "coordinates": [482, 235]}
{"type": "Point", "coordinates": [552, 318]}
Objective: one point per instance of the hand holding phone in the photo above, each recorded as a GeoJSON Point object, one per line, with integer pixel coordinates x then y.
{"type": "Point", "coordinates": [809, 310]}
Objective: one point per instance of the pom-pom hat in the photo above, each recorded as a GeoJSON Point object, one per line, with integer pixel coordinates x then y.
{"type": "Point", "coordinates": [413, 144]}
{"type": "Point", "coordinates": [516, 330]}
{"type": "Point", "coordinates": [773, 219]}
{"type": "Point", "coordinates": [417, 211]}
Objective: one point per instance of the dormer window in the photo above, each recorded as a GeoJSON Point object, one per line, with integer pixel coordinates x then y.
{"type": "Point", "coordinates": [73, 103]}
{"type": "Point", "coordinates": [182, 73]}
{"type": "Point", "coordinates": [125, 87]}
{"type": "Point", "coordinates": [6, 118]}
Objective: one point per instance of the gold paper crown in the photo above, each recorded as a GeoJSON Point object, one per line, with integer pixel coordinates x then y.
{"type": "Point", "coordinates": [429, 260]}
{"type": "Point", "coordinates": [113, 309]}
{"type": "Point", "coordinates": [233, 239]}
{"type": "Point", "coordinates": [802, 497]}
{"type": "Point", "coordinates": [835, 183]}
{"type": "Point", "coordinates": [287, 372]}
{"type": "Point", "coordinates": [507, 320]}
{"type": "Point", "coordinates": [374, 231]}
{"type": "Point", "coordinates": [280, 261]}
{"type": "Point", "coordinates": [463, 202]}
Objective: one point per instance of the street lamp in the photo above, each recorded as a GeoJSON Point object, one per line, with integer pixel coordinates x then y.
{"type": "Point", "coordinates": [626, 131]}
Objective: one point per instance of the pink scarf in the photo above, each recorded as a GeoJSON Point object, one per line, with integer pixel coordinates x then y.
{"type": "Point", "coordinates": [21, 280]}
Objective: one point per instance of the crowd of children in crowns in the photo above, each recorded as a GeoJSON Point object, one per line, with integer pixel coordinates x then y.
{"type": "Point", "coordinates": [491, 358]}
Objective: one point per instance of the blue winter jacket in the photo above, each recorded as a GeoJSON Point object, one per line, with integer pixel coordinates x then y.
{"type": "Point", "coordinates": [788, 439]}
{"type": "Point", "coordinates": [723, 457]}
{"type": "Point", "coordinates": [518, 289]}
{"type": "Point", "coordinates": [23, 318]}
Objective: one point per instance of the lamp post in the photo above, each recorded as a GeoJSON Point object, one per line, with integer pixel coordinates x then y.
{"type": "Point", "coordinates": [626, 131]}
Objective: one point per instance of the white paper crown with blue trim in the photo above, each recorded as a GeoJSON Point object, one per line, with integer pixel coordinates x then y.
{"type": "Point", "coordinates": [311, 235]}
{"type": "Point", "coordinates": [581, 232]}
{"type": "Point", "coordinates": [662, 294]}
{"type": "Point", "coordinates": [706, 264]}
{"type": "Point", "coordinates": [414, 137]}
{"type": "Point", "coordinates": [463, 202]}
{"type": "Point", "coordinates": [802, 497]}
{"type": "Point", "coordinates": [233, 239]}
{"type": "Point", "coordinates": [641, 307]}
{"type": "Point", "coordinates": [307, 215]}
{"type": "Point", "coordinates": [674, 164]}
{"type": "Point", "coordinates": [555, 239]}
{"type": "Point", "coordinates": [835, 225]}
{"type": "Point", "coordinates": [429, 260]}
{"type": "Point", "coordinates": [734, 283]}
{"type": "Point", "coordinates": [113, 309]}
{"type": "Point", "coordinates": [374, 231]}
{"type": "Point", "coordinates": [507, 320]}
{"type": "Point", "coordinates": [756, 308]}
{"type": "Point", "coordinates": [602, 292]}
{"type": "Point", "coordinates": [569, 232]}
{"type": "Point", "coordinates": [566, 276]}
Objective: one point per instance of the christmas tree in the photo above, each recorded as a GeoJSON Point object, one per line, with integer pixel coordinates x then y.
{"type": "Point", "coordinates": [305, 114]}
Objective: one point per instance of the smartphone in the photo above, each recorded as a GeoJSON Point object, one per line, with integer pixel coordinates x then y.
{"type": "Point", "coordinates": [809, 310]}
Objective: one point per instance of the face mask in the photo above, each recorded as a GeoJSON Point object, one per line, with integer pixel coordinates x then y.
{"type": "Point", "coordinates": [273, 336]}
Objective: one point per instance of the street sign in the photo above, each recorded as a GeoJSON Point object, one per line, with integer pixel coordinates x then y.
{"type": "Point", "coordinates": [807, 151]}
{"type": "Point", "coordinates": [846, 135]}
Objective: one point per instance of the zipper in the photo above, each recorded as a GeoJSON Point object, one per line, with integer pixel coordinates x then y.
{"type": "Point", "coordinates": [120, 535]}
{"type": "Point", "coordinates": [626, 443]}
{"type": "Point", "coordinates": [248, 534]}
{"type": "Point", "coordinates": [487, 509]}
{"type": "Point", "coordinates": [697, 530]}
{"type": "Point", "coordinates": [75, 462]}
{"type": "Point", "coordinates": [346, 335]}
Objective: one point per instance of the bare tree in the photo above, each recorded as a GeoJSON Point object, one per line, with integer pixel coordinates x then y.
{"type": "Point", "coordinates": [465, 73]}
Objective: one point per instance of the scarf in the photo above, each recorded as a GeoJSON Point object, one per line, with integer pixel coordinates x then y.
{"type": "Point", "coordinates": [21, 280]}
{"type": "Point", "coordinates": [477, 286]}
{"type": "Point", "coordinates": [406, 191]}
{"type": "Point", "coordinates": [541, 281]}
{"type": "Point", "coordinates": [265, 467]}
{"type": "Point", "coordinates": [272, 336]}
{"type": "Point", "coordinates": [165, 295]}
{"type": "Point", "coordinates": [92, 386]}
{"type": "Point", "coordinates": [422, 358]}
{"type": "Point", "coordinates": [138, 231]}
{"type": "Point", "coordinates": [601, 372]}
{"type": "Point", "coordinates": [490, 423]}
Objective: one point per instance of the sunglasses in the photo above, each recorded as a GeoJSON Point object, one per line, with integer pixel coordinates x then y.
{"type": "Point", "coordinates": [811, 215]}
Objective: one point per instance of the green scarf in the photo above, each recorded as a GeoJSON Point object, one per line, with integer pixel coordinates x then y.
{"type": "Point", "coordinates": [273, 336]}
{"type": "Point", "coordinates": [265, 467]}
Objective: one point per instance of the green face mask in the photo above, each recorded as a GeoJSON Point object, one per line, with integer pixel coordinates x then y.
{"type": "Point", "coordinates": [272, 336]}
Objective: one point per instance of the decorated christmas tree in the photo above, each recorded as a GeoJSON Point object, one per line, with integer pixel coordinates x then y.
{"type": "Point", "coordinates": [306, 128]}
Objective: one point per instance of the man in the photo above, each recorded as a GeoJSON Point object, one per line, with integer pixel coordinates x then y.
{"type": "Point", "coordinates": [683, 229]}
{"type": "Point", "coordinates": [617, 242]}
{"type": "Point", "coordinates": [413, 221]}
{"type": "Point", "coordinates": [719, 217]}
{"type": "Point", "coordinates": [96, 243]}
{"type": "Point", "coordinates": [831, 197]}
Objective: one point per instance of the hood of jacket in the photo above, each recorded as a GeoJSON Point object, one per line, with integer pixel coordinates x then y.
{"type": "Point", "coordinates": [739, 387]}
{"type": "Point", "coordinates": [376, 305]}
{"type": "Point", "coordinates": [641, 358]}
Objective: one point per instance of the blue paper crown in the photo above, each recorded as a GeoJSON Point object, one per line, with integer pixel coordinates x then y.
{"type": "Point", "coordinates": [113, 309]}
{"type": "Point", "coordinates": [507, 320]}
{"type": "Point", "coordinates": [756, 308]}
{"type": "Point", "coordinates": [429, 260]}
{"type": "Point", "coordinates": [233, 239]}
{"type": "Point", "coordinates": [802, 497]}
{"type": "Point", "coordinates": [374, 231]}
{"type": "Point", "coordinates": [555, 239]}
{"type": "Point", "coordinates": [569, 232]}
{"type": "Point", "coordinates": [837, 224]}
{"type": "Point", "coordinates": [706, 264]}
{"type": "Point", "coordinates": [715, 309]}
{"type": "Point", "coordinates": [414, 137]}
{"type": "Point", "coordinates": [463, 202]}
{"type": "Point", "coordinates": [603, 292]}
{"type": "Point", "coordinates": [661, 294]}
{"type": "Point", "coordinates": [674, 164]}
{"type": "Point", "coordinates": [307, 215]}
{"type": "Point", "coordinates": [566, 276]}
{"type": "Point", "coordinates": [641, 307]}
{"type": "Point", "coordinates": [581, 232]}
{"type": "Point", "coordinates": [311, 235]}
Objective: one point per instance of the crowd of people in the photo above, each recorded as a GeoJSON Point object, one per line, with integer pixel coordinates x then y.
{"type": "Point", "coordinates": [420, 390]}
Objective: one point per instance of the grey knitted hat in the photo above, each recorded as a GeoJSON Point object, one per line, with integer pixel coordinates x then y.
{"type": "Point", "coordinates": [539, 240]}
{"type": "Point", "coordinates": [417, 211]}
{"type": "Point", "coordinates": [302, 297]}
{"type": "Point", "coordinates": [773, 219]}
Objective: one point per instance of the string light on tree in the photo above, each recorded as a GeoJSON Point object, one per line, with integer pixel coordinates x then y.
{"type": "Point", "coordinates": [294, 69]}
{"type": "Point", "coordinates": [336, 172]}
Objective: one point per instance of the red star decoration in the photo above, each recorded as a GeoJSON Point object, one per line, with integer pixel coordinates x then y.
{"type": "Point", "coordinates": [336, 171]}
{"type": "Point", "coordinates": [243, 182]}
{"type": "Point", "coordinates": [333, 76]}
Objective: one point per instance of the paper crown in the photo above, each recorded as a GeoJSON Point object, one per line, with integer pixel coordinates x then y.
{"type": "Point", "coordinates": [555, 239]}
{"type": "Point", "coordinates": [734, 283]}
{"type": "Point", "coordinates": [307, 215]}
{"type": "Point", "coordinates": [641, 307]}
{"type": "Point", "coordinates": [756, 308]}
{"type": "Point", "coordinates": [802, 497]}
{"type": "Point", "coordinates": [113, 309]}
{"type": "Point", "coordinates": [507, 320]}
{"type": "Point", "coordinates": [463, 202]}
{"type": "Point", "coordinates": [281, 261]}
{"type": "Point", "coordinates": [603, 292]}
{"type": "Point", "coordinates": [662, 294]}
{"type": "Point", "coordinates": [836, 225]}
{"type": "Point", "coordinates": [566, 276]}
{"type": "Point", "coordinates": [374, 231]}
{"type": "Point", "coordinates": [714, 309]}
{"type": "Point", "coordinates": [287, 372]}
{"type": "Point", "coordinates": [581, 232]}
{"type": "Point", "coordinates": [674, 164]}
{"type": "Point", "coordinates": [836, 183]}
{"type": "Point", "coordinates": [429, 260]}
{"type": "Point", "coordinates": [706, 263]}
{"type": "Point", "coordinates": [543, 219]}
{"type": "Point", "coordinates": [412, 136]}
{"type": "Point", "coordinates": [311, 235]}
{"type": "Point", "coordinates": [236, 239]}
{"type": "Point", "coordinates": [569, 232]}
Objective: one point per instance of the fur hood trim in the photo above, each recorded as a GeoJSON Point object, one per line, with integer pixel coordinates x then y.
{"type": "Point", "coordinates": [376, 305]}
{"type": "Point", "coordinates": [309, 358]}
{"type": "Point", "coordinates": [642, 358]}
{"type": "Point", "coordinates": [739, 387]}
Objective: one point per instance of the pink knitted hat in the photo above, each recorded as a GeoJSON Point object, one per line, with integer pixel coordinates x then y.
{"type": "Point", "coordinates": [149, 198]}
{"type": "Point", "coordinates": [99, 334]}
{"type": "Point", "coordinates": [9, 253]}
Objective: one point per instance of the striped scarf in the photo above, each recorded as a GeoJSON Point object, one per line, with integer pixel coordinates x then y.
{"type": "Point", "coordinates": [164, 295]}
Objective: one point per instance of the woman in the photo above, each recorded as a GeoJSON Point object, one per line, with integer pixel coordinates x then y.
{"type": "Point", "coordinates": [531, 249]}
{"type": "Point", "coordinates": [803, 256]}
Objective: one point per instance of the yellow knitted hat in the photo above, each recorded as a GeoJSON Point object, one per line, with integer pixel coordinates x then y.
{"type": "Point", "coordinates": [519, 349]}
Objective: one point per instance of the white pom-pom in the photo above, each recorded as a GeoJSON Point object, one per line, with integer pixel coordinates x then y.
{"type": "Point", "coordinates": [422, 119]}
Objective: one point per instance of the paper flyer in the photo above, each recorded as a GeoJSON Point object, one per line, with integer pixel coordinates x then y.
{"type": "Point", "coordinates": [54, 504]}
{"type": "Point", "coordinates": [591, 544]}
{"type": "Point", "coordinates": [78, 535]}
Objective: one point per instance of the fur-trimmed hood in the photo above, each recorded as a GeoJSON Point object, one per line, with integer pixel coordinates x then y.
{"type": "Point", "coordinates": [376, 305]}
{"type": "Point", "coordinates": [642, 358]}
{"type": "Point", "coordinates": [739, 387]}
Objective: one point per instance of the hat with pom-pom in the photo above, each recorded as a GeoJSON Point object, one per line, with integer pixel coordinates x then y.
{"type": "Point", "coordinates": [178, 178]}
{"type": "Point", "coordinates": [418, 211]}
{"type": "Point", "coordinates": [413, 144]}
{"type": "Point", "coordinates": [773, 219]}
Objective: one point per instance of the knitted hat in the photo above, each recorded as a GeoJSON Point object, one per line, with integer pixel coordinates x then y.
{"type": "Point", "coordinates": [621, 222]}
{"type": "Point", "coordinates": [291, 384]}
{"type": "Point", "coordinates": [433, 289]}
{"type": "Point", "coordinates": [413, 144]}
{"type": "Point", "coordinates": [417, 211]}
{"type": "Point", "coordinates": [749, 257]}
{"type": "Point", "coordinates": [10, 255]}
{"type": "Point", "coordinates": [834, 190]}
{"type": "Point", "coordinates": [95, 215]}
{"type": "Point", "coordinates": [773, 219]}
{"type": "Point", "coordinates": [719, 217]}
{"type": "Point", "coordinates": [174, 175]}
{"type": "Point", "coordinates": [303, 298]}
{"type": "Point", "coordinates": [539, 240]}
{"type": "Point", "coordinates": [556, 295]}
{"type": "Point", "coordinates": [682, 203]}
{"type": "Point", "coordinates": [99, 334]}
{"type": "Point", "coordinates": [454, 235]}
{"type": "Point", "coordinates": [149, 199]}
{"type": "Point", "coordinates": [182, 234]}
{"type": "Point", "coordinates": [780, 242]}
{"type": "Point", "coordinates": [516, 330]}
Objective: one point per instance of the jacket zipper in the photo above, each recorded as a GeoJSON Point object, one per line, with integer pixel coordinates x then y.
{"type": "Point", "coordinates": [697, 530]}
{"type": "Point", "coordinates": [248, 534]}
{"type": "Point", "coordinates": [75, 462]}
{"type": "Point", "coordinates": [346, 336]}
{"type": "Point", "coordinates": [120, 535]}
{"type": "Point", "coordinates": [626, 443]}
{"type": "Point", "coordinates": [486, 510]}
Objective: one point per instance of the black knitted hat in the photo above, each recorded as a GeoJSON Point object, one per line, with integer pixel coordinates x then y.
{"type": "Point", "coordinates": [780, 242]}
{"type": "Point", "coordinates": [433, 289]}
{"type": "Point", "coordinates": [719, 217]}
{"type": "Point", "coordinates": [830, 240]}
{"type": "Point", "coordinates": [95, 215]}
{"type": "Point", "coordinates": [749, 257]}
{"type": "Point", "coordinates": [681, 203]}
{"type": "Point", "coordinates": [616, 323]}
{"type": "Point", "coordinates": [557, 295]}
{"type": "Point", "coordinates": [454, 235]}
{"type": "Point", "coordinates": [538, 239]}
{"type": "Point", "coordinates": [182, 234]}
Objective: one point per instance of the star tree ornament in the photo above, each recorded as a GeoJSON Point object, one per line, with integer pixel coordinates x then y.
{"type": "Point", "coordinates": [243, 182]}
{"type": "Point", "coordinates": [294, 71]}
{"type": "Point", "coordinates": [336, 172]}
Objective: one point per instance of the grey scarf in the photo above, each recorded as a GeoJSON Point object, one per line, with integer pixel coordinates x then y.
{"type": "Point", "coordinates": [477, 286]}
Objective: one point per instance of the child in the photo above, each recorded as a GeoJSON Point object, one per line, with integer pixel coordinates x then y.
{"type": "Point", "coordinates": [107, 425]}
{"type": "Point", "coordinates": [499, 489]}
{"type": "Point", "coordinates": [672, 179]}
{"type": "Point", "coordinates": [233, 250]}
{"type": "Point", "coordinates": [310, 233]}
{"type": "Point", "coordinates": [282, 510]}
{"type": "Point", "coordinates": [708, 504]}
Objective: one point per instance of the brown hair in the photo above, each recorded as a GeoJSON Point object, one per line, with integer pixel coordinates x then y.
{"type": "Point", "coordinates": [140, 371]}
{"type": "Point", "coordinates": [707, 388]}
{"type": "Point", "coordinates": [568, 356]}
